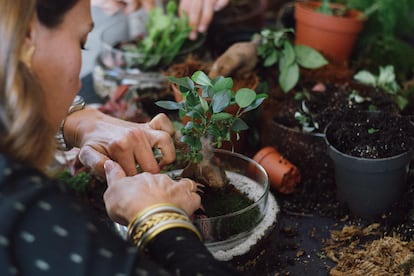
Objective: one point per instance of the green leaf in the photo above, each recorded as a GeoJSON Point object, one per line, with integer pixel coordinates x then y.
{"type": "Point", "coordinates": [386, 75]}
{"type": "Point", "coordinates": [239, 125]}
{"type": "Point", "coordinates": [308, 57]}
{"type": "Point", "coordinates": [201, 78]}
{"type": "Point", "coordinates": [366, 77]}
{"type": "Point", "coordinates": [245, 97]}
{"type": "Point", "coordinates": [204, 104]}
{"type": "Point", "coordinates": [288, 53]}
{"type": "Point", "coordinates": [185, 82]}
{"type": "Point", "coordinates": [271, 59]}
{"type": "Point", "coordinates": [259, 99]}
{"type": "Point", "coordinates": [170, 105]}
{"type": "Point", "coordinates": [221, 100]}
{"type": "Point", "coordinates": [289, 77]}
{"type": "Point", "coordinates": [221, 116]}
{"type": "Point", "coordinates": [222, 83]}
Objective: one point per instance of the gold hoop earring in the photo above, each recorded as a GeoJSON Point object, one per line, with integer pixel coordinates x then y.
{"type": "Point", "coordinates": [26, 56]}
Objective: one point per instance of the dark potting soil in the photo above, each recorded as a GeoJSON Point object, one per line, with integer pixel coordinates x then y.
{"type": "Point", "coordinates": [324, 105]}
{"type": "Point", "coordinates": [371, 135]}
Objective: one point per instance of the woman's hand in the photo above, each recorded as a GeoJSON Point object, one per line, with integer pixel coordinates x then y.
{"type": "Point", "coordinates": [127, 196]}
{"type": "Point", "coordinates": [101, 137]}
{"type": "Point", "coordinates": [200, 13]}
{"type": "Point", "coordinates": [113, 6]}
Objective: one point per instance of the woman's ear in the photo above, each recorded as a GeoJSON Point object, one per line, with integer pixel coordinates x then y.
{"type": "Point", "coordinates": [28, 48]}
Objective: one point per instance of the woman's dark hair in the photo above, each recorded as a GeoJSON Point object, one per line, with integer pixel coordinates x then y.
{"type": "Point", "coordinates": [50, 12]}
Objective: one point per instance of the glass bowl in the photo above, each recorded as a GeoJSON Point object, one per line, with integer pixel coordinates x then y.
{"type": "Point", "coordinates": [236, 232]}
{"type": "Point", "coordinates": [115, 66]}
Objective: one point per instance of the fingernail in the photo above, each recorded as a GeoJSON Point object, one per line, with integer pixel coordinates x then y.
{"type": "Point", "coordinates": [193, 36]}
{"type": "Point", "coordinates": [108, 165]}
{"type": "Point", "coordinates": [202, 28]}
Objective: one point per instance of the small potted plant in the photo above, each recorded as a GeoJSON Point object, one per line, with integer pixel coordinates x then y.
{"type": "Point", "coordinates": [235, 196]}
{"type": "Point", "coordinates": [371, 153]}
{"type": "Point", "coordinates": [331, 28]}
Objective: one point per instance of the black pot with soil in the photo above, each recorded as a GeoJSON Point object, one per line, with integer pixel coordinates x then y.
{"type": "Point", "coordinates": [371, 153]}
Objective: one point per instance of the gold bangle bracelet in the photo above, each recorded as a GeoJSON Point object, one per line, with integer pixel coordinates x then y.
{"type": "Point", "coordinates": [152, 221]}
{"type": "Point", "coordinates": [161, 227]}
{"type": "Point", "coordinates": [153, 209]}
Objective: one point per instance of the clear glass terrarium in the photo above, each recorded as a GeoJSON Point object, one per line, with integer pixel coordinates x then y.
{"type": "Point", "coordinates": [234, 233]}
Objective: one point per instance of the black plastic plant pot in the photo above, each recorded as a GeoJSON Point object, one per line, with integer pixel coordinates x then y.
{"type": "Point", "coordinates": [368, 186]}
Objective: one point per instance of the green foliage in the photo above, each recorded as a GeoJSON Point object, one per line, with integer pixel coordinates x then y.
{"type": "Point", "coordinates": [383, 39]}
{"type": "Point", "coordinates": [166, 35]}
{"type": "Point", "coordinates": [386, 80]}
{"type": "Point", "coordinates": [276, 48]}
{"type": "Point", "coordinates": [78, 182]}
{"type": "Point", "coordinates": [205, 103]}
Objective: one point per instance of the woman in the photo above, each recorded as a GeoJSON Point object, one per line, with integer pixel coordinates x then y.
{"type": "Point", "coordinates": [45, 231]}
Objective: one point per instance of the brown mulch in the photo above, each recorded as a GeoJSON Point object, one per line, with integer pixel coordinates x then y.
{"type": "Point", "coordinates": [382, 256]}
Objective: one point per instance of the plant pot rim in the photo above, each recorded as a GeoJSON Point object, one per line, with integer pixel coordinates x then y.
{"type": "Point", "coordinates": [299, 131]}
{"type": "Point", "coordinates": [309, 7]}
{"type": "Point", "coordinates": [345, 156]}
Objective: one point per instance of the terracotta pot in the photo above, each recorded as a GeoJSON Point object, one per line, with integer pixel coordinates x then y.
{"type": "Point", "coordinates": [334, 36]}
{"type": "Point", "coordinates": [283, 175]}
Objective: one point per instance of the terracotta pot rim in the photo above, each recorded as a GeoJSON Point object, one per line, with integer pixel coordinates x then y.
{"type": "Point", "coordinates": [309, 7]}
{"type": "Point", "coordinates": [352, 24]}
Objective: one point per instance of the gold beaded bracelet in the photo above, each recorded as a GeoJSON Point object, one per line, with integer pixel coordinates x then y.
{"type": "Point", "coordinates": [155, 219]}
{"type": "Point", "coordinates": [153, 209]}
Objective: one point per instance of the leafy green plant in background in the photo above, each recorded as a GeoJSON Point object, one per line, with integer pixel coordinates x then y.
{"type": "Point", "coordinates": [386, 80]}
{"type": "Point", "coordinates": [384, 39]}
{"type": "Point", "coordinates": [166, 35]}
{"type": "Point", "coordinates": [276, 48]}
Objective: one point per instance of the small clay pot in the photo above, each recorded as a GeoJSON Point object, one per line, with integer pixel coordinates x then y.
{"type": "Point", "coordinates": [283, 175]}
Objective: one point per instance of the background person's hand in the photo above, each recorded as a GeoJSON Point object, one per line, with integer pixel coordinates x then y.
{"type": "Point", "coordinates": [101, 137]}
{"type": "Point", "coordinates": [113, 6]}
{"type": "Point", "coordinates": [200, 13]}
{"type": "Point", "coordinates": [127, 196]}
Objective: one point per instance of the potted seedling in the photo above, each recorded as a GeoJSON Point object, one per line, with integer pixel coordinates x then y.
{"type": "Point", "coordinates": [331, 28]}
{"type": "Point", "coordinates": [139, 58]}
{"type": "Point", "coordinates": [371, 152]}
{"type": "Point", "coordinates": [235, 199]}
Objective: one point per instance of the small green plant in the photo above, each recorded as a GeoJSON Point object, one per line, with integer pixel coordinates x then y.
{"type": "Point", "coordinates": [206, 111]}
{"type": "Point", "coordinates": [386, 80]}
{"type": "Point", "coordinates": [306, 119]}
{"type": "Point", "coordinates": [276, 48]}
{"type": "Point", "coordinates": [166, 35]}
{"type": "Point", "coordinates": [373, 130]}
{"type": "Point", "coordinates": [356, 98]}
{"type": "Point", "coordinates": [206, 104]}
